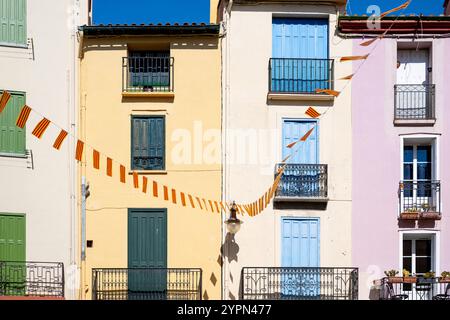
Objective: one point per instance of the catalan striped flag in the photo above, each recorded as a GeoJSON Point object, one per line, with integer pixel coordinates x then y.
{"type": "Point", "coordinates": [96, 158]}
{"type": "Point", "coordinates": [402, 6]}
{"type": "Point", "coordinates": [211, 205]}
{"type": "Point", "coordinates": [191, 200]}
{"type": "Point", "coordinates": [216, 204]}
{"type": "Point", "coordinates": [144, 184]}
{"type": "Point", "coordinates": [312, 113]}
{"type": "Point", "coordinates": [183, 199]}
{"type": "Point", "coordinates": [368, 42]}
{"type": "Point", "coordinates": [174, 196]}
{"type": "Point", "coordinates": [135, 180]}
{"type": "Point", "coordinates": [166, 193]}
{"type": "Point", "coordinates": [79, 151]}
{"type": "Point", "coordinates": [23, 116]}
{"type": "Point", "coordinates": [354, 58]}
{"type": "Point", "coordinates": [306, 136]}
{"type": "Point", "coordinates": [155, 189]}
{"type": "Point", "coordinates": [122, 174]}
{"type": "Point", "coordinates": [204, 204]}
{"type": "Point", "coordinates": [199, 202]}
{"type": "Point", "coordinates": [4, 100]}
{"type": "Point", "coordinates": [329, 92]}
{"type": "Point", "coordinates": [41, 127]}
{"type": "Point", "coordinates": [109, 165]}
{"type": "Point", "coordinates": [60, 139]}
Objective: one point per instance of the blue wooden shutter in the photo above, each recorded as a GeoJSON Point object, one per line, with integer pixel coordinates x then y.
{"type": "Point", "coordinates": [12, 138]}
{"type": "Point", "coordinates": [13, 15]}
{"type": "Point", "coordinates": [148, 143]}
{"type": "Point", "coordinates": [293, 130]}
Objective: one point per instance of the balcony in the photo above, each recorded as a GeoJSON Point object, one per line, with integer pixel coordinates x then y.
{"type": "Point", "coordinates": [148, 76]}
{"type": "Point", "coordinates": [420, 200]}
{"type": "Point", "coordinates": [415, 104]}
{"type": "Point", "coordinates": [299, 284]}
{"type": "Point", "coordinates": [31, 280]}
{"type": "Point", "coordinates": [414, 289]}
{"type": "Point", "coordinates": [298, 79]}
{"type": "Point", "coordinates": [147, 284]}
{"type": "Point", "coordinates": [303, 182]}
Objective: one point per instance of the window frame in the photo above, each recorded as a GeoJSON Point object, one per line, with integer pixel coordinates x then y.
{"type": "Point", "coordinates": [24, 43]}
{"type": "Point", "coordinates": [6, 154]}
{"type": "Point", "coordinates": [163, 117]}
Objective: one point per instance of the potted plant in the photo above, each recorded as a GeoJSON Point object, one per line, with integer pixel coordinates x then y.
{"type": "Point", "coordinates": [410, 214]}
{"type": "Point", "coordinates": [429, 212]}
{"type": "Point", "coordinates": [427, 278]}
{"type": "Point", "coordinates": [407, 278]}
{"type": "Point", "coordinates": [392, 276]}
{"type": "Point", "coordinates": [445, 277]}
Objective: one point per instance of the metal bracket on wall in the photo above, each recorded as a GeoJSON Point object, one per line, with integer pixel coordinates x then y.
{"type": "Point", "coordinates": [30, 159]}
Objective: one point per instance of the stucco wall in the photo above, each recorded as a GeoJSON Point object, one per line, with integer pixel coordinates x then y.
{"type": "Point", "coordinates": [247, 51]}
{"type": "Point", "coordinates": [46, 72]}
{"type": "Point", "coordinates": [193, 235]}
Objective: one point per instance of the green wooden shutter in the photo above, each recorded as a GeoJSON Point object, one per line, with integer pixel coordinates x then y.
{"type": "Point", "coordinates": [12, 237]}
{"type": "Point", "coordinates": [148, 143]}
{"type": "Point", "coordinates": [13, 17]}
{"type": "Point", "coordinates": [12, 138]}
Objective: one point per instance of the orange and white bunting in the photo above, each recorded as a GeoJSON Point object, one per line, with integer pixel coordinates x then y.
{"type": "Point", "coordinates": [312, 113]}
{"type": "Point", "coordinates": [4, 100]}
{"type": "Point", "coordinates": [199, 202]}
{"type": "Point", "coordinates": [79, 150]}
{"type": "Point", "coordinates": [191, 200]}
{"type": "Point", "coordinates": [354, 58]}
{"type": "Point", "coordinates": [122, 174]}
{"type": "Point", "coordinates": [23, 116]}
{"type": "Point", "coordinates": [96, 159]}
{"type": "Point", "coordinates": [60, 139]}
{"type": "Point", "coordinates": [40, 128]}
{"type": "Point", "coordinates": [402, 6]}
{"type": "Point", "coordinates": [183, 199]}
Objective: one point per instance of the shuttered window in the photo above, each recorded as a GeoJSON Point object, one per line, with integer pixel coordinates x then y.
{"type": "Point", "coordinates": [12, 138]}
{"type": "Point", "coordinates": [13, 17]}
{"type": "Point", "coordinates": [148, 143]}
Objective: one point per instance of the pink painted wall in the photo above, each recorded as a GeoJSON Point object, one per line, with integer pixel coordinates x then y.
{"type": "Point", "coordinates": [377, 156]}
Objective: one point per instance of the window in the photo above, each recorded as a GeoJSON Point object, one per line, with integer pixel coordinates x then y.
{"type": "Point", "coordinates": [148, 143]}
{"type": "Point", "coordinates": [12, 138]}
{"type": "Point", "coordinates": [149, 71]}
{"type": "Point", "coordinates": [13, 16]}
{"type": "Point", "coordinates": [418, 255]}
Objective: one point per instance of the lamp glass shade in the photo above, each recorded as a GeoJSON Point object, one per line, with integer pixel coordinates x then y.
{"type": "Point", "coordinates": [233, 227]}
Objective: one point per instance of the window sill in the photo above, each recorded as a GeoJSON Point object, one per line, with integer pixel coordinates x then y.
{"type": "Point", "coordinates": [169, 95]}
{"type": "Point", "coordinates": [272, 96]}
{"type": "Point", "coordinates": [14, 45]}
{"type": "Point", "coordinates": [415, 123]}
{"type": "Point", "coordinates": [149, 172]}
{"type": "Point", "coordinates": [13, 155]}
{"type": "Point", "coordinates": [299, 199]}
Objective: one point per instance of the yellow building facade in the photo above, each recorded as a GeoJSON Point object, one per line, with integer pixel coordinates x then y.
{"type": "Point", "coordinates": [151, 101]}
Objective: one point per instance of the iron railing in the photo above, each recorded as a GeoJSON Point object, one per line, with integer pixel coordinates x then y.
{"type": "Point", "coordinates": [303, 181]}
{"type": "Point", "coordinates": [299, 283]}
{"type": "Point", "coordinates": [147, 74]}
{"type": "Point", "coordinates": [423, 289]}
{"type": "Point", "coordinates": [415, 102]}
{"type": "Point", "coordinates": [420, 197]}
{"type": "Point", "coordinates": [302, 76]}
{"type": "Point", "coordinates": [34, 279]}
{"type": "Point", "coordinates": [147, 284]}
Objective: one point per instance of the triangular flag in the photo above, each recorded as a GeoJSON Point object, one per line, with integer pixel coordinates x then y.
{"type": "Point", "coordinates": [174, 196]}
{"type": "Point", "coordinates": [368, 42]}
{"type": "Point", "coordinates": [96, 157]}
{"type": "Point", "coordinates": [144, 184]}
{"type": "Point", "coordinates": [79, 151]}
{"type": "Point", "coordinates": [211, 205]}
{"type": "Point", "coordinates": [41, 127]}
{"type": "Point", "coordinates": [183, 199]}
{"type": "Point", "coordinates": [403, 6]}
{"type": "Point", "coordinates": [191, 200]}
{"type": "Point", "coordinates": [60, 139]}
{"type": "Point", "coordinates": [306, 136]}
{"type": "Point", "coordinates": [199, 202]}
{"type": "Point", "coordinates": [155, 189]}
{"type": "Point", "coordinates": [109, 165]}
{"type": "Point", "coordinates": [350, 77]}
{"type": "Point", "coordinates": [354, 58]}
{"type": "Point", "coordinates": [23, 116]}
{"type": "Point", "coordinates": [122, 174]}
{"type": "Point", "coordinates": [4, 100]}
{"type": "Point", "coordinates": [312, 112]}
{"type": "Point", "coordinates": [135, 180]}
{"type": "Point", "coordinates": [286, 159]}
{"type": "Point", "coordinates": [328, 91]}
{"type": "Point", "coordinates": [166, 193]}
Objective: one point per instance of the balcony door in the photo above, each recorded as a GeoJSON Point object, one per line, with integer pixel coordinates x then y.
{"type": "Point", "coordinates": [293, 130]}
{"type": "Point", "coordinates": [301, 250]}
{"type": "Point", "coordinates": [147, 254]}
{"type": "Point", "coordinates": [418, 175]}
{"type": "Point", "coordinates": [413, 84]}
{"type": "Point", "coordinates": [300, 55]}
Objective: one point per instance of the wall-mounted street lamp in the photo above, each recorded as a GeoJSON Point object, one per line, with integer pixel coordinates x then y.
{"type": "Point", "coordinates": [233, 223]}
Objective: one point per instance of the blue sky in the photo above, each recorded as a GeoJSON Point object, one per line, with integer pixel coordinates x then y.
{"type": "Point", "coordinates": [154, 11]}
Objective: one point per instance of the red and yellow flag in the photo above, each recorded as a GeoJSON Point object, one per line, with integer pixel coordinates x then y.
{"type": "Point", "coordinates": [4, 100]}
{"type": "Point", "coordinates": [144, 184]}
{"type": "Point", "coordinates": [403, 6]}
{"type": "Point", "coordinates": [60, 139]}
{"type": "Point", "coordinates": [166, 193]}
{"type": "Point", "coordinates": [155, 189]}
{"type": "Point", "coordinates": [329, 92]}
{"type": "Point", "coordinates": [199, 202]}
{"type": "Point", "coordinates": [354, 58]}
{"type": "Point", "coordinates": [183, 199]}
{"type": "Point", "coordinates": [191, 200]}
{"type": "Point", "coordinates": [79, 151]}
{"type": "Point", "coordinates": [312, 113]}
{"type": "Point", "coordinates": [109, 165]}
{"type": "Point", "coordinates": [174, 196]}
{"type": "Point", "coordinates": [122, 174]}
{"type": "Point", "coordinates": [135, 180]}
{"type": "Point", "coordinates": [23, 116]}
{"type": "Point", "coordinates": [41, 127]}
{"type": "Point", "coordinates": [96, 157]}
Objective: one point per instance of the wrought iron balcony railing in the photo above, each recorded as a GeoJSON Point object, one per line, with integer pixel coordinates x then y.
{"type": "Point", "coordinates": [303, 181]}
{"type": "Point", "coordinates": [420, 200]}
{"type": "Point", "coordinates": [414, 289]}
{"type": "Point", "coordinates": [300, 76]}
{"type": "Point", "coordinates": [147, 284]}
{"type": "Point", "coordinates": [32, 279]}
{"type": "Point", "coordinates": [415, 102]}
{"type": "Point", "coordinates": [147, 74]}
{"type": "Point", "coordinates": [299, 283]}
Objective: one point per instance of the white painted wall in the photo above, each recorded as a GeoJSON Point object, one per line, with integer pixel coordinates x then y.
{"type": "Point", "coordinates": [247, 48]}
{"type": "Point", "coordinates": [48, 72]}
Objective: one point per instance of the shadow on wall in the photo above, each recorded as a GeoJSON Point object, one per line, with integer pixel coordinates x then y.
{"type": "Point", "coordinates": [230, 248]}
